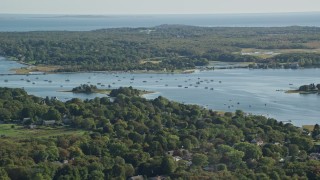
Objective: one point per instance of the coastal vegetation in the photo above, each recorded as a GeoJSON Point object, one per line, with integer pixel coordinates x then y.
{"type": "Point", "coordinates": [306, 89]}
{"type": "Point", "coordinates": [164, 48]}
{"type": "Point", "coordinates": [131, 136]}
{"type": "Point", "coordinates": [128, 91]}
{"type": "Point", "coordinates": [85, 88]}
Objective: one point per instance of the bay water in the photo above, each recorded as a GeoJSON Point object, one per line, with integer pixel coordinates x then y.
{"type": "Point", "coordinates": [258, 91]}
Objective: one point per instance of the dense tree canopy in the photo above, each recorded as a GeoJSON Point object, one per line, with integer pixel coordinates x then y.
{"type": "Point", "coordinates": [165, 47]}
{"type": "Point", "coordinates": [134, 136]}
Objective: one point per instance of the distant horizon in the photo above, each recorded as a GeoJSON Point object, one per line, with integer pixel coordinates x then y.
{"type": "Point", "coordinates": [147, 7]}
{"type": "Point", "coordinates": [141, 14]}
{"type": "Point", "coordinates": [88, 22]}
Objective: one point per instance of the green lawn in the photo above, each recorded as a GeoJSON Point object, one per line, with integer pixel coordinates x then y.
{"type": "Point", "coordinates": [40, 132]}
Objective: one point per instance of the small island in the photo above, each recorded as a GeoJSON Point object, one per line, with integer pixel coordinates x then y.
{"type": "Point", "coordinates": [306, 89]}
{"type": "Point", "coordinates": [90, 89]}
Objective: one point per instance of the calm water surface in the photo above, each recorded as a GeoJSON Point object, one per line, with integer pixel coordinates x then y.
{"type": "Point", "coordinates": [253, 91]}
{"type": "Point", "coordinates": [14, 22]}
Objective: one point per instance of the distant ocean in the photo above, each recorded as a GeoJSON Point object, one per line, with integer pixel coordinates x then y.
{"type": "Point", "coordinates": [20, 23]}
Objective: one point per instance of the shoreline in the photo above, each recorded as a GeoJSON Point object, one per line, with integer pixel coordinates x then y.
{"type": "Point", "coordinates": [48, 70]}
{"type": "Point", "coordinates": [106, 92]}
{"type": "Point", "coordinates": [302, 92]}
{"type": "Point", "coordinates": [53, 69]}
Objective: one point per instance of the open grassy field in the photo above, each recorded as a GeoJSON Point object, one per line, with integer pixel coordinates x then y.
{"type": "Point", "coordinates": [20, 132]}
{"type": "Point", "coordinates": [153, 62]}
{"type": "Point", "coordinates": [308, 127]}
{"type": "Point", "coordinates": [267, 53]}
{"type": "Point", "coordinates": [39, 68]}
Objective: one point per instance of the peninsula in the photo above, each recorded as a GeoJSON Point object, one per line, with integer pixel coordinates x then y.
{"type": "Point", "coordinates": [306, 89]}
{"type": "Point", "coordinates": [164, 48]}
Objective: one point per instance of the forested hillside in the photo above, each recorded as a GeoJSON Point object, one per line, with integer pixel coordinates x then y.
{"type": "Point", "coordinates": [133, 136]}
{"type": "Point", "coordinates": [166, 47]}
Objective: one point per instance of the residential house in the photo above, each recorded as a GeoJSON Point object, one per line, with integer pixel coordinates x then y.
{"type": "Point", "coordinates": [66, 119]}
{"type": "Point", "coordinates": [209, 168]}
{"type": "Point", "coordinates": [49, 122]}
{"type": "Point", "coordinates": [26, 119]}
{"type": "Point", "coordinates": [317, 137]}
{"type": "Point", "coordinates": [158, 178]}
{"type": "Point", "coordinates": [170, 153]}
{"type": "Point", "coordinates": [258, 142]}
{"type": "Point", "coordinates": [177, 158]}
{"type": "Point", "coordinates": [314, 156]}
{"type": "Point", "coordinates": [139, 177]}
{"type": "Point", "coordinates": [32, 126]}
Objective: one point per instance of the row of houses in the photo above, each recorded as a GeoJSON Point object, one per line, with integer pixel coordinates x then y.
{"type": "Point", "coordinates": [65, 120]}
{"type": "Point", "coordinates": [40, 122]}
{"type": "Point", "coordinates": [140, 177]}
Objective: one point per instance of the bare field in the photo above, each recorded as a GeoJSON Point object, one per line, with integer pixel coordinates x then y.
{"type": "Point", "coordinates": [27, 70]}
{"type": "Point", "coordinates": [313, 44]}
{"type": "Point", "coordinates": [267, 53]}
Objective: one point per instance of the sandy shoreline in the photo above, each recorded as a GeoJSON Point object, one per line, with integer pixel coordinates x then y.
{"type": "Point", "coordinates": [53, 70]}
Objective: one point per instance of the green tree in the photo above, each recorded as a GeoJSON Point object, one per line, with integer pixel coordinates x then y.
{"type": "Point", "coordinates": [88, 123]}
{"type": "Point", "coordinates": [39, 176]}
{"type": "Point", "coordinates": [168, 165]}
{"type": "Point", "coordinates": [40, 155]}
{"type": "Point", "coordinates": [53, 114]}
{"type": "Point", "coordinates": [118, 149]}
{"type": "Point", "coordinates": [222, 167]}
{"type": "Point", "coordinates": [96, 174]}
{"type": "Point", "coordinates": [293, 150]}
{"type": "Point", "coordinates": [67, 172]}
{"type": "Point", "coordinates": [230, 156]}
{"type": "Point", "coordinates": [304, 143]}
{"type": "Point", "coordinates": [53, 153]}
{"type": "Point", "coordinates": [119, 171]}
{"type": "Point", "coordinates": [129, 170]}
{"type": "Point", "coordinates": [316, 129]}
{"type": "Point", "coordinates": [251, 151]}
{"type": "Point", "coordinates": [4, 174]}
{"type": "Point", "coordinates": [199, 159]}
{"type": "Point", "coordinates": [5, 115]}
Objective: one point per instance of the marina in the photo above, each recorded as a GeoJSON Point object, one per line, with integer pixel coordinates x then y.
{"type": "Point", "coordinates": [253, 91]}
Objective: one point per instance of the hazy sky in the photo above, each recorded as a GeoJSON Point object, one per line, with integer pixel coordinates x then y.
{"type": "Point", "coordinates": [156, 6]}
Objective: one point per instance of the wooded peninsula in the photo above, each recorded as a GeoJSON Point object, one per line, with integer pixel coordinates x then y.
{"type": "Point", "coordinates": [132, 137]}
{"type": "Point", "coordinates": [306, 89]}
{"type": "Point", "coordinates": [164, 48]}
